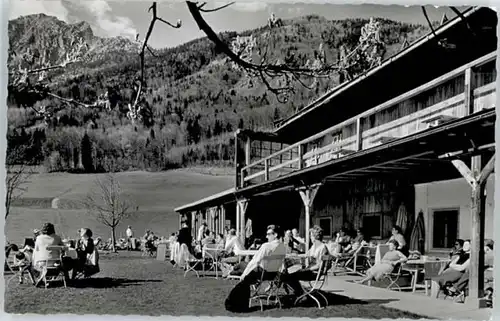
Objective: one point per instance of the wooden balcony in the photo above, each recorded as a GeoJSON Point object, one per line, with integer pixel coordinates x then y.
{"type": "Point", "coordinates": [461, 92]}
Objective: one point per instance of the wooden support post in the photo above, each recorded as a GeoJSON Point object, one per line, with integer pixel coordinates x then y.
{"type": "Point", "coordinates": [248, 144]}
{"type": "Point", "coordinates": [266, 169]}
{"type": "Point", "coordinates": [359, 135]}
{"type": "Point", "coordinates": [193, 223]}
{"type": "Point", "coordinates": [236, 163]}
{"type": "Point", "coordinates": [242, 205]}
{"type": "Point", "coordinates": [469, 92]}
{"type": "Point", "coordinates": [307, 194]}
{"type": "Point", "coordinates": [301, 156]}
{"type": "Point", "coordinates": [477, 179]}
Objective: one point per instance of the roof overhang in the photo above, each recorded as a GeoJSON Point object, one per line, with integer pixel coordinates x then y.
{"type": "Point", "coordinates": [424, 60]}
{"type": "Point", "coordinates": [213, 200]}
{"type": "Point", "coordinates": [474, 134]}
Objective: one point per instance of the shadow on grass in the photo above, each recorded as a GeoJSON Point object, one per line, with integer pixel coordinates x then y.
{"type": "Point", "coordinates": [105, 283]}
{"type": "Point", "coordinates": [335, 299]}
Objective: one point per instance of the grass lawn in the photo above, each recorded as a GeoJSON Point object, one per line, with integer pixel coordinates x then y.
{"type": "Point", "coordinates": [156, 195]}
{"type": "Point", "coordinates": [131, 284]}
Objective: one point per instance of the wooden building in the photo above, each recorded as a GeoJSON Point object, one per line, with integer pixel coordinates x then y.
{"type": "Point", "coordinates": [415, 134]}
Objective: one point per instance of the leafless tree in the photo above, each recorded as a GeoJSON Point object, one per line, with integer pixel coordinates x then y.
{"type": "Point", "coordinates": [18, 177]}
{"type": "Point", "coordinates": [108, 204]}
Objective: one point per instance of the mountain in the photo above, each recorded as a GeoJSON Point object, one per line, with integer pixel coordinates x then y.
{"type": "Point", "coordinates": [193, 100]}
{"type": "Point", "coordinates": [53, 39]}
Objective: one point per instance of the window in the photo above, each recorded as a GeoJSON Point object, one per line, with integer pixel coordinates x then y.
{"type": "Point", "coordinates": [444, 228]}
{"type": "Point", "coordinates": [326, 224]}
{"type": "Point", "coordinates": [372, 225]}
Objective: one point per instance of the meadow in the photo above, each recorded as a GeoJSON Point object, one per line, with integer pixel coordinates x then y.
{"type": "Point", "coordinates": [156, 194]}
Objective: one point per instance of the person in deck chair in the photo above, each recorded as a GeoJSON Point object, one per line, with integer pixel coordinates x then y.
{"type": "Point", "coordinates": [392, 258]}
{"type": "Point", "coordinates": [462, 284]}
{"type": "Point", "coordinates": [453, 273]}
{"type": "Point", "coordinates": [299, 273]}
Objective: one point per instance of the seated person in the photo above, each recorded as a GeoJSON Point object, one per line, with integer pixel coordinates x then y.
{"type": "Point", "coordinates": [233, 246]}
{"type": "Point", "coordinates": [288, 241]}
{"type": "Point", "coordinates": [41, 255]}
{"type": "Point", "coordinates": [453, 273]}
{"type": "Point", "coordinates": [343, 240]}
{"type": "Point", "coordinates": [360, 236]}
{"type": "Point", "coordinates": [219, 241]}
{"type": "Point", "coordinates": [84, 247]}
{"type": "Point", "coordinates": [397, 234]}
{"type": "Point", "coordinates": [298, 242]}
{"type": "Point", "coordinates": [22, 260]}
{"type": "Point", "coordinates": [391, 259]}
{"type": "Point", "coordinates": [207, 239]}
{"type": "Point", "coordinates": [270, 257]}
{"type": "Point", "coordinates": [460, 285]}
{"type": "Point", "coordinates": [457, 250]}
{"type": "Point", "coordinates": [315, 253]}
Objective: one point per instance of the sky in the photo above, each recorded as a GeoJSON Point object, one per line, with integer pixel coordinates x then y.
{"type": "Point", "coordinates": [127, 18]}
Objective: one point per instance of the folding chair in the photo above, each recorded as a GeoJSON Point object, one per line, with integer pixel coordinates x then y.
{"type": "Point", "coordinates": [316, 285]}
{"type": "Point", "coordinates": [393, 277]}
{"type": "Point", "coordinates": [52, 269]}
{"type": "Point", "coordinates": [191, 262]}
{"type": "Point", "coordinates": [273, 268]}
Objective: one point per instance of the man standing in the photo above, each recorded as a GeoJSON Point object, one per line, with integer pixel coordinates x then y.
{"type": "Point", "coordinates": [130, 235]}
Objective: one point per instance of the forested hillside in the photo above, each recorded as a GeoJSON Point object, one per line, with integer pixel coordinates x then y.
{"type": "Point", "coordinates": [194, 100]}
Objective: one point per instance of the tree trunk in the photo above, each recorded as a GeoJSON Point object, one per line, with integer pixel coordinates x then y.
{"type": "Point", "coordinates": [113, 239]}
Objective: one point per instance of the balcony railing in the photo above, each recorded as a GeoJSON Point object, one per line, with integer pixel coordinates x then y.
{"type": "Point", "coordinates": [466, 89]}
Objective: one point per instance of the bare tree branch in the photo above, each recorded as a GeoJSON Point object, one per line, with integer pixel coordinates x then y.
{"type": "Point", "coordinates": [133, 110]}
{"type": "Point", "coordinates": [215, 9]}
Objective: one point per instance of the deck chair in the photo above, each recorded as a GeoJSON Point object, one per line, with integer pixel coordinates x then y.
{"type": "Point", "coordinates": [51, 269]}
{"type": "Point", "coordinates": [268, 285]}
{"type": "Point", "coordinates": [316, 285]}
{"type": "Point", "coordinates": [382, 249]}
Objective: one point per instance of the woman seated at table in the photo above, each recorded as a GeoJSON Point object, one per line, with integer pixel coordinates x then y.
{"type": "Point", "coordinates": [208, 238]}
{"type": "Point", "coordinates": [315, 254]}
{"type": "Point", "coordinates": [219, 241]}
{"type": "Point", "coordinates": [453, 273]}
{"type": "Point", "coordinates": [41, 255]}
{"type": "Point", "coordinates": [457, 249]}
{"type": "Point", "coordinates": [460, 285]}
{"type": "Point", "coordinates": [391, 259]}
